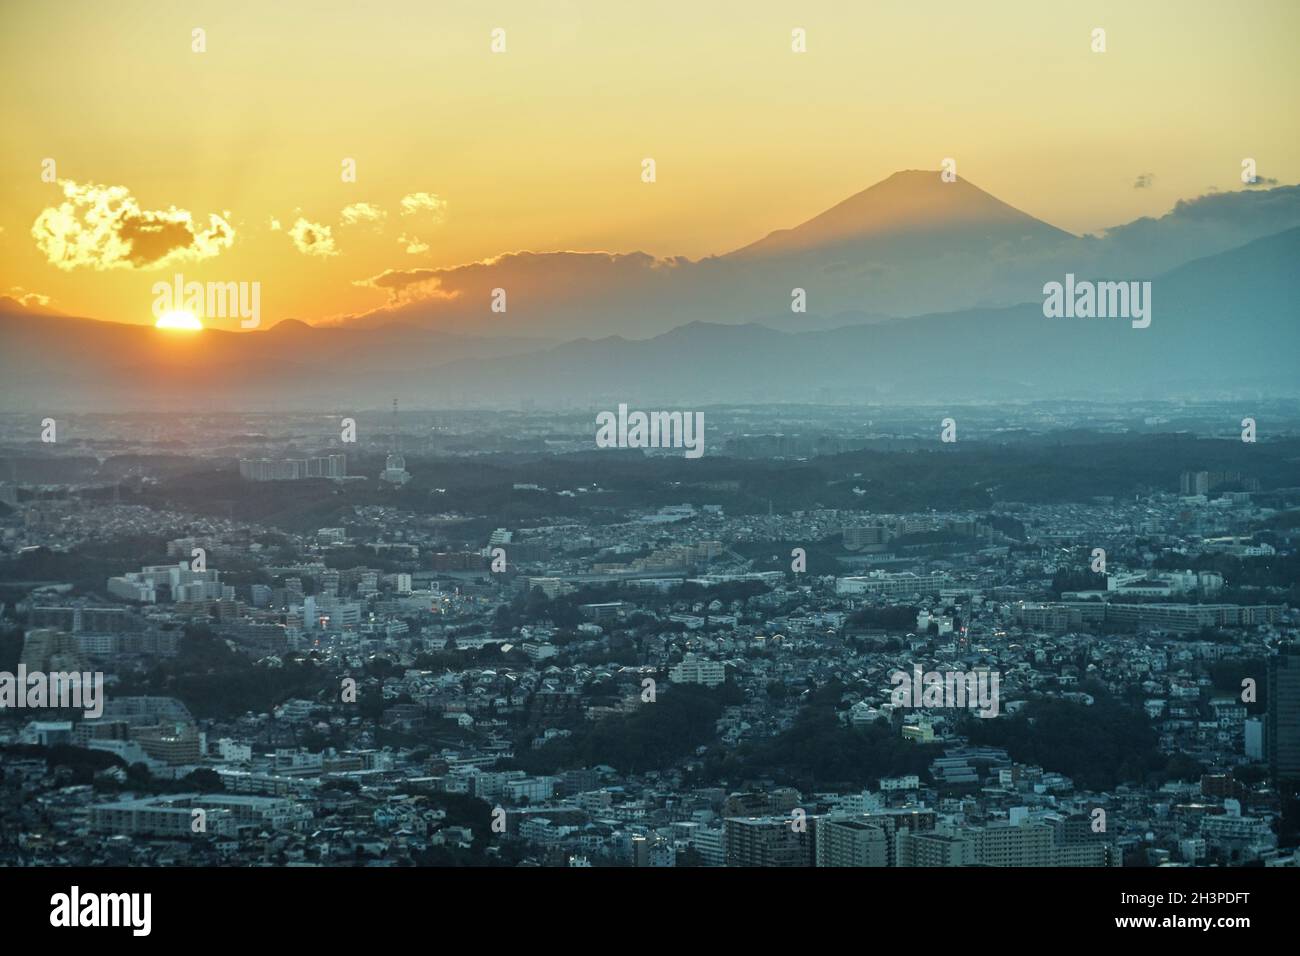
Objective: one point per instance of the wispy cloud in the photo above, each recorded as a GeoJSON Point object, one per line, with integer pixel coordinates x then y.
{"type": "Point", "coordinates": [435, 206]}
{"type": "Point", "coordinates": [359, 212]}
{"type": "Point", "coordinates": [29, 299]}
{"type": "Point", "coordinates": [312, 238]}
{"type": "Point", "coordinates": [408, 285]}
{"type": "Point", "coordinates": [572, 282]}
{"type": "Point", "coordinates": [414, 244]}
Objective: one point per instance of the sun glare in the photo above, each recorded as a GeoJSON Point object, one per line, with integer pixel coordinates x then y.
{"type": "Point", "coordinates": [185, 321]}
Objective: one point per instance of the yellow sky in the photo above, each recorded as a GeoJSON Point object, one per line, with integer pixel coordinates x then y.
{"type": "Point", "coordinates": [540, 147]}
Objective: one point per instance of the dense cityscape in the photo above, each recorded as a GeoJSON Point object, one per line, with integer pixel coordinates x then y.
{"type": "Point", "coordinates": [405, 637]}
{"type": "Point", "coordinates": [841, 455]}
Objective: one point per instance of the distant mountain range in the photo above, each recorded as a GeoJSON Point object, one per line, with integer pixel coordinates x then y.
{"type": "Point", "coordinates": [909, 245]}
{"type": "Point", "coordinates": [65, 362]}
{"type": "Point", "coordinates": [721, 330]}
{"type": "Point", "coordinates": [1226, 324]}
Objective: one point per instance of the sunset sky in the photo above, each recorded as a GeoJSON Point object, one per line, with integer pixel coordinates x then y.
{"type": "Point", "coordinates": [463, 154]}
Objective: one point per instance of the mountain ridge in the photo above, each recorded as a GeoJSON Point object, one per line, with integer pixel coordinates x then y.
{"type": "Point", "coordinates": [1228, 321]}
{"type": "Point", "coordinates": [909, 245]}
{"type": "Point", "coordinates": [906, 203]}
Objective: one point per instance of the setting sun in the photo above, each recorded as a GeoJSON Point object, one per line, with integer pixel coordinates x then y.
{"type": "Point", "coordinates": [185, 321]}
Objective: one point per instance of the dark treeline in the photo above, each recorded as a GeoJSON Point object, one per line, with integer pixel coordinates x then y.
{"type": "Point", "coordinates": [1098, 746]}
{"type": "Point", "coordinates": [653, 736]}
{"type": "Point", "coordinates": [967, 475]}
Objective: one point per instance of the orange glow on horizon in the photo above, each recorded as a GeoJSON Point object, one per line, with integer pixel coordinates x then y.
{"type": "Point", "coordinates": [179, 320]}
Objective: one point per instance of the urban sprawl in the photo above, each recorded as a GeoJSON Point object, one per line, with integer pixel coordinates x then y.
{"type": "Point", "coordinates": [456, 644]}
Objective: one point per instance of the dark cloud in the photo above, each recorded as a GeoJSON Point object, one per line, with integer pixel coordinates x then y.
{"type": "Point", "coordinates": [104, 227]}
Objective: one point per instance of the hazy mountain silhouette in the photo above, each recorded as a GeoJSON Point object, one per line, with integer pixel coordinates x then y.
{"type": "Point", "coordinates": [910, 245]}
{"type": "Point", "coordinates": [1225, 324]}
{"type": "Point", "coordinates": [912, 203]}
{"type": "Point", "coordinates": [68, 362]}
